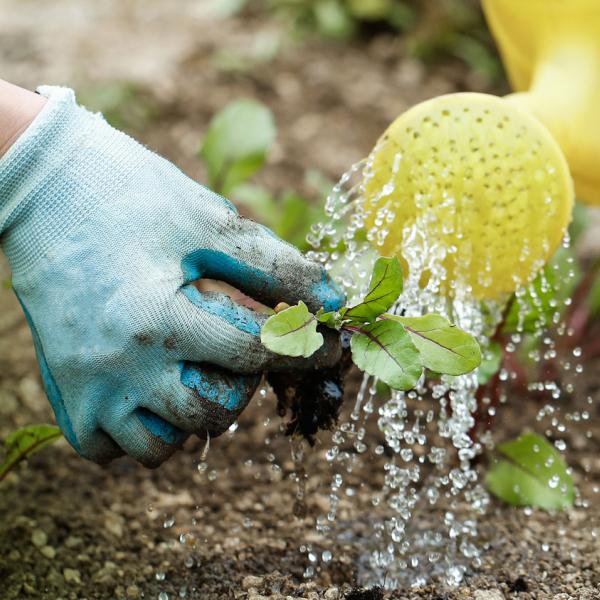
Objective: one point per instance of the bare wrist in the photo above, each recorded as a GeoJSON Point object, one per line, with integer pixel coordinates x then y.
{"type": "Point", "coordinates": [18, 108]}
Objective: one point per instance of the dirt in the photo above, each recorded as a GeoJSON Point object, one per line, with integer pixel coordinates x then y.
{"type": "Point", "coordinates": [313, 400]}
{"type": "Point", "coordinates": [70, 529]}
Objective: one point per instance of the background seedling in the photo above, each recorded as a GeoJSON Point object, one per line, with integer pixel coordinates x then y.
{"type": "Point", "coordinates": [235, 148]}
{"type": "Point", "coordinates": [23, 443]}
{"type": "Point", "coordinates": [530, 472]}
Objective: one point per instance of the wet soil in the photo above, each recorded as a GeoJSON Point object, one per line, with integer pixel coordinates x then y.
{"type": "Point", "coordinates": [70, 529]}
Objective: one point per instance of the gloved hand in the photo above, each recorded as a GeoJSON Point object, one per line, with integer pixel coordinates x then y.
{"type": "Point", "coordinates": [104, 239]}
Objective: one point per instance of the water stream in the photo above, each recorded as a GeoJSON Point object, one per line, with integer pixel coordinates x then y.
{"type": "Point", "coordinates": [423, 520]}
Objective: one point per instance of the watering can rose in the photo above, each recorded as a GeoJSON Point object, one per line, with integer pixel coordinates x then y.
{"type": "Point", "coordinates": [482, 180]}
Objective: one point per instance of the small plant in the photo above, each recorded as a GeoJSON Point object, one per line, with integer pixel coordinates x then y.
{"type": "Point", "coordinates": [23, 443]}
{"type": "Point", "coordinates": [234, 149]}
{"type": "Point", "coordinates": [530, 472]}
{"type": "Point", "coordinates": [392, 348]}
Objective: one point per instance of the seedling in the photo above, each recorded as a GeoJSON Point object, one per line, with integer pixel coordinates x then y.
{"type": "Point", "coordinates": [390, 347]}
{"type": "Point", "coordinates": [530, 472]}
{"type": "Point", "coordinates": [234, 149]}
{"type": "Point", "coordinates": [23, 443]}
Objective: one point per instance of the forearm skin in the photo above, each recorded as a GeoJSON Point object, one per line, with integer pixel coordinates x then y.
{"type": "Point", "coordinates": [18, 108]}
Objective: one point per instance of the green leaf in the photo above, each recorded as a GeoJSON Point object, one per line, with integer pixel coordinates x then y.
{"type": "Point", "coordinates": [289, 216]}
{"type": "Point", "coordinates": [332, 318]}
{"type": "Point", "coordinates": [580, 219]}
{"type": "Point", "coordinates": [297, 215]}
{"type": "Point", "coordinates": [22, 443]}
{"type": "Point", "coordinates": [491, 363]}
{"type": "Point", "coordinates": [236, 144]}
{"type": "Point", "coordinates": [533, 473]}
{"type": "Point", "coordinates": [444, 347]}
{"type": "Point", "coordinates": [333, 19]}
{"type": "Point", "coordinates": [385, 350]}
{"type": "Point", "coordinates": [292, 332]}
{"type": "Point", "coordinates": [384, 289]}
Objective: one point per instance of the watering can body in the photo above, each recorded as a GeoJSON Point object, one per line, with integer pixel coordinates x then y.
{"type": "Point", "coordinates": [551, 51]}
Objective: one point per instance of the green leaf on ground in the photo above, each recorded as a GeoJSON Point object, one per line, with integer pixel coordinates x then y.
{"type": "Point", "coordinates": [384, 289]}
{"type": "Point", "coordinates": [292, 332]}
{"type": "Point", "coordinates": [385, 350]}
{"type": "Point", "coordinates": [531, 473]}
{"type": "Point", "coordinates": [24, 442]}
{"type": "Point", "coordinates": [236, 143]}
{"type": "Point", "coordinates": [491, 363]}
{"type": "Point", "coordinates": [444, 347]}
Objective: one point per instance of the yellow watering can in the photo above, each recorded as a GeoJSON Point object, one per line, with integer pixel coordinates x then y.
{"type": "Point", "coordinates": [551, 50]}
{"type": "Point", "coordinates": [491, 178]}
{"type": "Point", "coordinates": [482, 179]}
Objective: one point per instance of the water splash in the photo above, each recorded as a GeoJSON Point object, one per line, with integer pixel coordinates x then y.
{"type": "Point", "coordinates": [423, 519]}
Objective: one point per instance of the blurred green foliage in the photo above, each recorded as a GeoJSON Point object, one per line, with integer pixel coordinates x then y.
{"type": "Point", "coordinates": [342, 19]}
{"type": "Point", "coordinates": [236, 144]}
{"type": "Point", "coordinates": [432, 30]}
{"type": "Point", "coordinates": [234, 148]}
{"type": "Point", "coordinates": [23, 443]}
{"type": "Point", "coordinates": [124, 105]}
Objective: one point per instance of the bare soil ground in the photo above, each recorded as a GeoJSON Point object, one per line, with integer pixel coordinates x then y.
{"type": "Point", "coordinates": [73, 530]}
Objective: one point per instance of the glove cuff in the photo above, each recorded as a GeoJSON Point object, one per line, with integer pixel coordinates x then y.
{"type": "Point", "coordinates": [56, 173]}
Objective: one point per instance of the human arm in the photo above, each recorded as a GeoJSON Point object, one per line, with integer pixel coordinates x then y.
{"type": "Point", "coordinates": [18, 108]}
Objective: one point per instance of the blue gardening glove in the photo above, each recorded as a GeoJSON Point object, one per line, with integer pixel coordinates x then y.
{"type": "Point", "coordinates": [104, 238]}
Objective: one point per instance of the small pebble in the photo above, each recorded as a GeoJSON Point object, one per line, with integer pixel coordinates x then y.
{"type": "Point", "coordinates": [488, 595]}
{"type": "Point", "coordinates": [281, 307]}
{"type": "Point", "coordinates": [114, 524]}
{"type": "Point", "coordinates": [72, 576]}
{"type": "Point", "coordinates": [48, 552]}
{"type": "Point", "coordinates": [133, 591]}
{"type": "Point", "coordinates": [54, 578]}
{"type": "Point", "coordinates": [39, 538]}
{"type": "Point", "coordinates": [28, 588]}
{"type": "Point", "coordinates": [251, 581]}
{"type": "Point", "coordinates": [73, 541]}
{"type": "Point", "coordinates": [332, 594]}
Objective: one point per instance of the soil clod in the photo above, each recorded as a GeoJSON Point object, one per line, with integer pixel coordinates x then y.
{"type": "Point", "coordinates": [313, 398]}
{"type": "Point", "coordinates": [375, 593]}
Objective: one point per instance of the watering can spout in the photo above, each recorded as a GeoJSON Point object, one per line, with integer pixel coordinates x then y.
{"type": "Point", "coordinates": [551, 51]}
